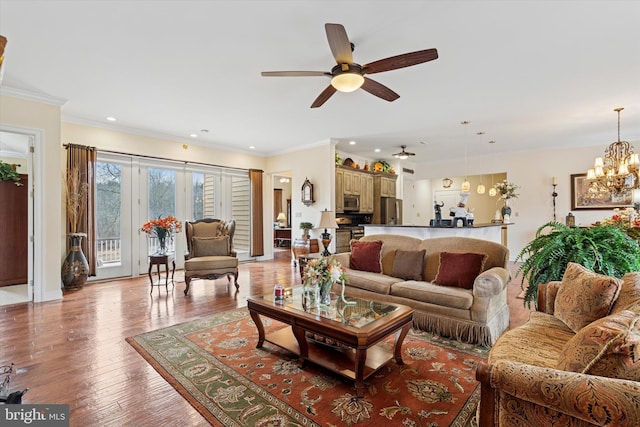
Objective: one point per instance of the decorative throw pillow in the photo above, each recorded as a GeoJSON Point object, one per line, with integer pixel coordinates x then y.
{"type": "Point", "coordinates": [210, 246]}
{"type": "Point", "coordinates": [459, 269]}
{"type": "Point", "coordinates": [408, 264]}
{"type": "Point", "coordinates": [608, 347]}
{"type": "Point", "coordinates": [365, 256]}
{"type": "Point", "coordinates": [209, 229]}
{"type": "Point", "coordinates": [584, 296]}
{"type": "Point", "coordinates": [629, 297]}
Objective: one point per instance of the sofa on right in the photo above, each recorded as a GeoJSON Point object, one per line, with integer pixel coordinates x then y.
{"type": "Point", "coordinates": [456, 285]}
{"type": "Point", "coordinates": [575, 362]}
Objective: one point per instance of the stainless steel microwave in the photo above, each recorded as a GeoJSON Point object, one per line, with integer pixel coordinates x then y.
{"type": "Point", "coordinates": [351, 203]}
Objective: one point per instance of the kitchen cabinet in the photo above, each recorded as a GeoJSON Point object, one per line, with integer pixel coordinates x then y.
{"type": "Point", "coordinates": [366, 196]}
{"type": "Point", "coordinates": [387, 185]}
{"type": "Point", "coordinates": [384, 185]}
{"type": "Point", "coordinates": [352, 182]}
{"type": "Point", "coordinates": [368, 185]}
{"type": "Point", "coordinates": [339, 191]}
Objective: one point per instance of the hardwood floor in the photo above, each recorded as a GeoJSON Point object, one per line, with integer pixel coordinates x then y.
{"type": "Point", "coordinates": [74, 351]}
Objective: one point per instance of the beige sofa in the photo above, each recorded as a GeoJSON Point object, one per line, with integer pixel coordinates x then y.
{"type": "Point", "coordinates": [544, 373]}
{"type": "Point", "coordinates": [478, 315]}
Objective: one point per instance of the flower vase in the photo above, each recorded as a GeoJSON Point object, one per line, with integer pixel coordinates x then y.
{"type": "Point", "coordinates": [309, 296]}
{"type": "Point", "coordinates": [325, 293]}
{"type": "Point", "coordinates": [75, 268]}
{"type": "Point", "coordinates": [506, 212]}
{"type": "Point", "coordinates": [161, 234]}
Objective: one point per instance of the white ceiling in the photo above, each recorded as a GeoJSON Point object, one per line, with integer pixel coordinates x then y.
{"type": "Point", "coordinates": [530, 74]}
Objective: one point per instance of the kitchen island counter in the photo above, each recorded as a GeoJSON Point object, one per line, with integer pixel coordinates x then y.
{"type": "Point", "coordinates": [486, 231]}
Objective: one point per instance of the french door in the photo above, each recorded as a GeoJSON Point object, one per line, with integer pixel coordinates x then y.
{"type": "Point", "coordinates": [114, 229]}
{"type": "Point", "coordinates": [131, 190]}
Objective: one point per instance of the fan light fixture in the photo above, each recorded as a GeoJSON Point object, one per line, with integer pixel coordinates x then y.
{"type": "Point", "coordinates": [348, 81]}
{"type": "Point", "coordinates": [403, 155]}
{"type": "Point", "coordinates": [619, 170]}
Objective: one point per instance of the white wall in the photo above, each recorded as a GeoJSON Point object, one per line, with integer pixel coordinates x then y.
{"type": "Point", "coordinates": [44, 120]}
{"type": "Point", "coordinates": [316, 164]}
{"type": "Point", "coordinates": [533, 172]}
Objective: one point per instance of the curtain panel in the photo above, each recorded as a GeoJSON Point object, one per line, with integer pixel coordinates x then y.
{"type": "Point", "coordinates": [257, 228]}
{"type": "Point", "coordinates": [84, 158]}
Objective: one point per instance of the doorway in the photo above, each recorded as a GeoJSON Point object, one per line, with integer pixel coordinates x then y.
{"type": "Point", "coordinates": [17, 264]}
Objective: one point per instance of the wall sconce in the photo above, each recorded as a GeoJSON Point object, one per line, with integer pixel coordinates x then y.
{"type": "Point", "coordinates": [554, 182]}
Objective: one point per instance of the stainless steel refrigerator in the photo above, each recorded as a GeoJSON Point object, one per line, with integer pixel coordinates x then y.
{"type": "Point", "coordinates": [390, 211]}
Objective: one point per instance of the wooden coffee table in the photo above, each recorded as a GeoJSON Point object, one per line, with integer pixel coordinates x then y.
{"type": "Point", "coordinates": [348, 334]}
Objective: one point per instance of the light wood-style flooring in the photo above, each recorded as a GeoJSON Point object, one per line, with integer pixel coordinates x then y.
{"type": "Point", "coordinates": [74, 351]}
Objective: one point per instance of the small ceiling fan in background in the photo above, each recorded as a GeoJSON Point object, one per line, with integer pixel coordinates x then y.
{"type": "Point", "coordinates": [403, 155]}
{"type": "Point", "coordinates": [349, 76]}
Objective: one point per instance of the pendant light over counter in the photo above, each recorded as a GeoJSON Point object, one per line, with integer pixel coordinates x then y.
{"type": "Point", "coordinates": [466, 185]}
{"type": "Point", "coordinates": [492, 190]}
{"type": "Point", "coordinates": [481, 188]}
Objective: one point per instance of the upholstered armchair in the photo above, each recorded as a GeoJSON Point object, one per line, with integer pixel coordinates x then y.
{"type": "Point", "coordinates": [210, 254]}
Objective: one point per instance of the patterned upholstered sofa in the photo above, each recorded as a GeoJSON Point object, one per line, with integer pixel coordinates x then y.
{"type": "Point", "coordinates": [576, 362]}
{"type": "Point", "coordinates": [476, 312]}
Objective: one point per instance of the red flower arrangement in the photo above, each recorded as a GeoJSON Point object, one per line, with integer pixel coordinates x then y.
{"type": "Point", "coordinates": [169, 224]}
{"type": "Point", "coordinates": [162, 228]}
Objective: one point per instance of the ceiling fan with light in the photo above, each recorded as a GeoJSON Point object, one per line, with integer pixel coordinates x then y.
{"type": "Point", "coordinates": [403, 155]}
{"type": "Point", "coordinates": [348, 76]}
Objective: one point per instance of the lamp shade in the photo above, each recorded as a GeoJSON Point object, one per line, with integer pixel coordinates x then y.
{"type": "Point", "coordinates": [347, 82]}
{"type": "Point", "coordinates": [327, 220]}
{"type": "Point", "coordinates": [281, 217]}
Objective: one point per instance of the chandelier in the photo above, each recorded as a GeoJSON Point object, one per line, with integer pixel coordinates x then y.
{"type": "Point", "coordinates": [618, 170]}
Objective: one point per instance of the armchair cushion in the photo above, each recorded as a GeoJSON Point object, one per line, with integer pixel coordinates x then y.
{"type": "Point", "coordinates": [213, 263]}
{"type": "Point", "coordinates": [532, 395]}
{"type": "Point", "coordinates": [365, 256]}
{"type": "Point", "coordinates": [211, 246]}
{"type": "Point", "coordinates": [408, 264]}
{"type": "Point", "coordinates": [608, 347]}
{"type": "Point", "coordinates": [459, 269]}
{"type": "Point", "coordinates": [585, 296]}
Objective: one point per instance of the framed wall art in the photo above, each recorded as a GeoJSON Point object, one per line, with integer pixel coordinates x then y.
{"type": "Point", "coordinates": [591, 195]}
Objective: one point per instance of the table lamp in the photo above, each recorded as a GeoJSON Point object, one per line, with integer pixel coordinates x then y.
{"type": "Point", "coordinates": [327, 220]}
{"type": "Point", "coordinates": [282, 220]}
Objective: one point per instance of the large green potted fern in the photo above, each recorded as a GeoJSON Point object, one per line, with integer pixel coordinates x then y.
{"type": "Point", "coordinates": [604, 249]}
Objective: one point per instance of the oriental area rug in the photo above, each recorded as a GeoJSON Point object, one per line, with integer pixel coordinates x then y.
{"type": "Point", "coordinates": [214, 363]}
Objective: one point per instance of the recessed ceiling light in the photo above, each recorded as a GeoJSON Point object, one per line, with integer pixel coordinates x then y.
{"type": "Point", "coordinates": [111, 119]}
{"type": "Point", "coordinates": [377, 150]}
{"type": "Point", "coordinates": [352, 143]}
{"type": "Point", "coordinates": [193, 135]}
{"type": "Point", "coordinates": [252, 147]}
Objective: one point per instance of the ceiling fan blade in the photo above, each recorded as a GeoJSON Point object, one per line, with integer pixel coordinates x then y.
{"type": "Point", "coordinates": [339, 43]}
{"type": "Point", "coordinates": [294, 73]}
{"type": "Point", "coordinates": [324, 96]}
{"type": "Point", "coordinates": [379, 90]}
{"type": "Point", "coordinates": [401, 61]}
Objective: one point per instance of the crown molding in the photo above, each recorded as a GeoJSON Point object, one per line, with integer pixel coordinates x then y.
{"type": "Point", "coordinates": [32, 96]}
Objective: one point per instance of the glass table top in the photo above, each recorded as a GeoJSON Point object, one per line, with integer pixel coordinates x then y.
{"type": "Point", "coordinates": [358, 315]}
